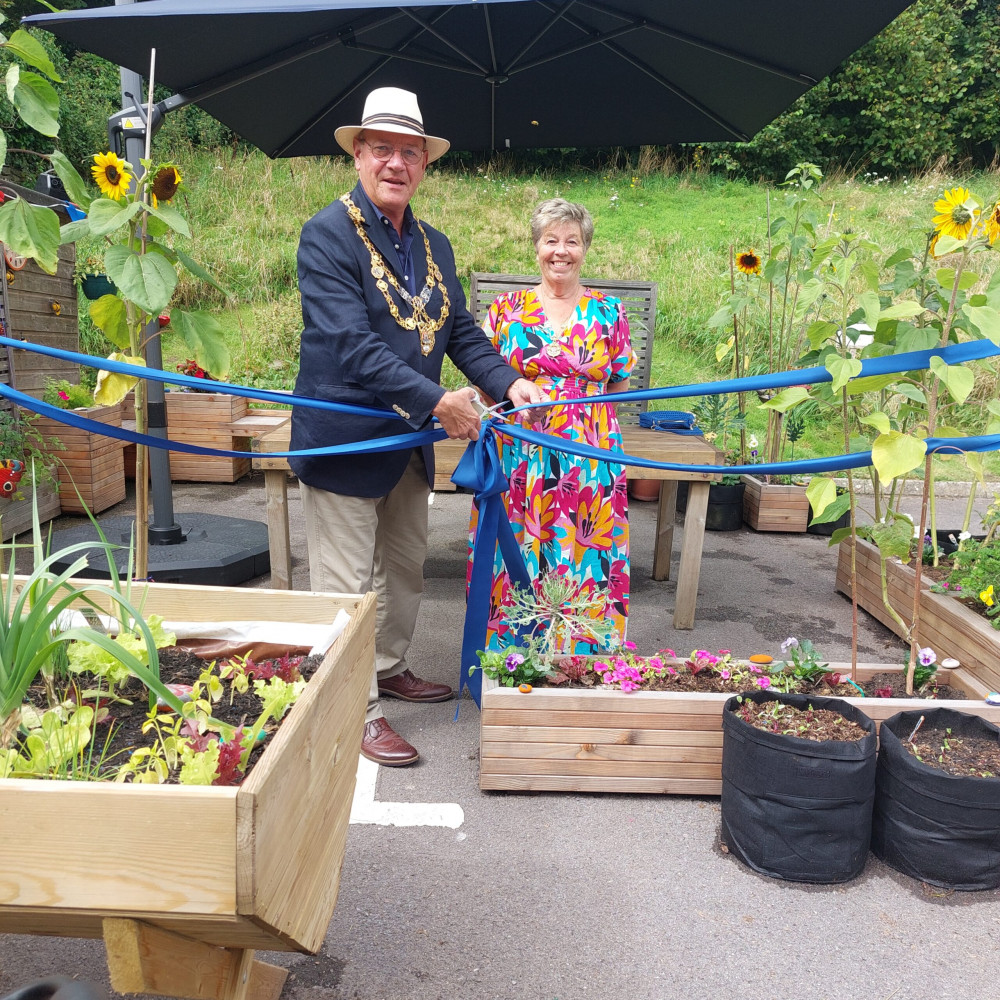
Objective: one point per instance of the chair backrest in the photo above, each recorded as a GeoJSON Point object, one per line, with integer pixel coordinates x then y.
{"type": "Point", "coordinates": [638, 297]}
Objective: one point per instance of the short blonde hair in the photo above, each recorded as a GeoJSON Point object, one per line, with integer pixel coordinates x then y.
{"type": "Point", "coordinates": [558, 212]}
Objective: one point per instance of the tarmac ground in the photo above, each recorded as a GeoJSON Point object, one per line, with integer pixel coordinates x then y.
{"type": "Point", "coordinates": [557, 896]}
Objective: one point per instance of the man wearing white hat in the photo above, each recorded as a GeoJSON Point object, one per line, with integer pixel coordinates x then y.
{"type": "Point", "coordinates": [381, 306]}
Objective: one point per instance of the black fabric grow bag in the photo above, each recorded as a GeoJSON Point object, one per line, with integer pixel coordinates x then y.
{"type": "Point", "coordinates": [725, 507]}
{"type": "Point", "coordinates": [933, 826]}
{"type": "Point", "coordinates": [793, 808]}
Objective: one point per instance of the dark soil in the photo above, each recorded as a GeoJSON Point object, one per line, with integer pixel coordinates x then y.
{"type": "Point", "coordinates": [120, 731]}
{"type": "Point", "coordinates": [962, 756]}
{"type": "Point", "coordinates": [818, 725]}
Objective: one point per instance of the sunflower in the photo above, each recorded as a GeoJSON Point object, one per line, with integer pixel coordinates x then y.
{"type": "Point", "coordinates": [992, 225]}
{"type": "Point", "coordinates": [165, 184]}
{"type": "Point", "coordinates": [955, 216]}
{"type": "Point", "coordinates": [112, 173]}
{"type": "Point", "coordinates": [748, 262]}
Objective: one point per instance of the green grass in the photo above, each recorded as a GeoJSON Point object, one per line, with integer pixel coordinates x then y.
{"type": "Point", "coordinates": [673, 228]}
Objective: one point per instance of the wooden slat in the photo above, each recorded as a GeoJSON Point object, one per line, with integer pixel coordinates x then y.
{"type": "Point", "coordinates": [190, 602]}
{"type": "Point", "coordinates": [118, 817]}
{"type": "Point", "coordinates": [591, 783]}
{"type": "Point", "coordinates": [600, 752]}
{"type": "Point", "coordinates": [603, 736]}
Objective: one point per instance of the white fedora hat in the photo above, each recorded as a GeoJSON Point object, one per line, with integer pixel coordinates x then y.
{"type": "Point", "coordinates": [389, 109]}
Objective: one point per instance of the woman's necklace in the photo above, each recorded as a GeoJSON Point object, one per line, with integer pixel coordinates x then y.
{"type": "Point", "coordinates": [382, 273]}
{"type": "Point", "coordinates": [561, 330]}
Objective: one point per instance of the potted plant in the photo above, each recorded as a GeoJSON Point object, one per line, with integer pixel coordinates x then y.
{"type": "Point", "coordinates": [22, 443]}
{"type": "Point", "coordinates": [89, 275]}
{"type": "Point", "coordinates": [720, 417]}
{"type": "Point", "coordinates": [798, 782]}
{"type": "Point", "coordinates": [255, 874]}
{"type": "Point", "coordinates": [937, 798]}
{"type": "Point", "coordinates": [91, 467]}
{"type": "Point", "coordinates": [621, 721]}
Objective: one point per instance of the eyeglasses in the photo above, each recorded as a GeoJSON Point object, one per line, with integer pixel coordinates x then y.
{"type": "Point", "coordinates": [382, 152]}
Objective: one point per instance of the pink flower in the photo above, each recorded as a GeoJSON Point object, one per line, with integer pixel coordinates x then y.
{"type": "Point", "coordinates": [725, 652]}
{"type": "Point", "coordinates": [655, 662]}
{"type": "Point", "coordinates": [763, 682]}
{"type": "Point", "coordinates": [725, 675]}
{"type": "Point", "coordinates": [63, 395]}
{"type": "Point", "coordinates": [671, 671]}
{"type": "Point", "coordinates": [629, 645]}
{"type": "Point", "coordinates": [754, 669]}
{"type": "Point", "coordinates": [668, 652]}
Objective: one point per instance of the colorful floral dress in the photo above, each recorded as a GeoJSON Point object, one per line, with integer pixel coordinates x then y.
{"type": "Point", "coordinates": [569, 514]}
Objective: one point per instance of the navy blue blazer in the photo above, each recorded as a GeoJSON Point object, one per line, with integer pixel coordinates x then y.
{"type": "Point", "coordinates": [353, 351]}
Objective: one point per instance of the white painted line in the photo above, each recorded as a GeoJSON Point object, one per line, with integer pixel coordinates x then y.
{"type": "Point", "coordinates": [364, 808]}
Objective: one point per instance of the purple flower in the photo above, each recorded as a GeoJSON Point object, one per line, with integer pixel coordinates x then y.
{"type": "Point", "coordinates": [513, 661]}
{"type": "Point", "coordinates": [926, 656]}
{"type": "Point", "coordinates": [790, 643]}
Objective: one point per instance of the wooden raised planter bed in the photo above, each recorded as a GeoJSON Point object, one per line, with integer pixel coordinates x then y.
{"type": "Point", "coordinates": [945, 624]}
{"type": "Point", "coordinates": [89, 463]}
{"type": "Point", "coordinates": [208, 419]}
{"type": "Point", "coordinates": [579, 740]}
{"type": "Point", "coordinates": [184, 882]}
{"type": "Point", "coordinates": [770, 507]}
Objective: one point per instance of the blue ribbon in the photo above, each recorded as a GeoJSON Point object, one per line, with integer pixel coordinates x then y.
{"type": "Point", "coordinates": [394, 442]}
{"type": "Point", "coordinates": [481, 471]}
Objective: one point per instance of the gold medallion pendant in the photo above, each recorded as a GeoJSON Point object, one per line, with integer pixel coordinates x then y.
{"type": "Point", "coordinates": [382, 273]}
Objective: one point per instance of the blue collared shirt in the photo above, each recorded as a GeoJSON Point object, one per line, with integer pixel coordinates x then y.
{"type": "Point", "coordinates": [403, 242]}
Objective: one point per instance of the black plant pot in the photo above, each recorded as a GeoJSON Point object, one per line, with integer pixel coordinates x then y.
{"type": "Point", "coordinates": [933, 826]}
{"type": "Point", "coordinates": [793, 808]}
{"type": "Point", "coordinates": [947, 539]}
{"type": "Point", "coordinates": [96, 285]}
{"type": "Point", "coordinates": [827, 528]}
{"type": "Point", "coordinates": [725, 507]}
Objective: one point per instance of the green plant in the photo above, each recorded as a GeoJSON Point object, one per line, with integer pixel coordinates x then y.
{"type": "Point", "coordinates": [66, 395]}
{"type": "Point", "coordinates": [512, 667]}
{"type": "Point", "coordinates": [22, 442]}
{"type": "Point", "coordinates": [802, 660]}
{"type": "Point", "coordinates": [30, 632]}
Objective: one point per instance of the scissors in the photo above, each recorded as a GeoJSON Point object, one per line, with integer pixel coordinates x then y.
{"type": "Point", "coordinates": [488, 412]}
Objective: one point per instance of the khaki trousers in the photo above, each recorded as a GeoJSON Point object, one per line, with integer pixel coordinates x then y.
{"type": "Point", "coordinates": [357, 544]}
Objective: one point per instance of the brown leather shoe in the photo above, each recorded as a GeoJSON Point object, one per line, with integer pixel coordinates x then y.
{"type": "Point", "coordinates": [411, 688]}
{"type": "Point", "coordinates": [382, 744]}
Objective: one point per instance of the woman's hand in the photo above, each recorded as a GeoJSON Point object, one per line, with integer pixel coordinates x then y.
{"type": "Point", "coordinates": [521, 392]}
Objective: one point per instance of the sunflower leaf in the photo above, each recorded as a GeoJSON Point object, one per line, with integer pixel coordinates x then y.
{"type": "Point", "coordinates": [148, 279]}
{"type": "Point", "coordinates": [31, 231]}
{"type": "Point", "coordinates": [986, 319]}
{"type": "Point", "coordinates": [959, 380]}
{"type": "Point", "coordinates": [173, 219]}
{"type": "Point", "coordinates": [894, 454]}
{"type": "Point", "coordinates": [75, 186]}
{"type": "Point", "coordinates": [203, 336]}
{"type": "Point", "coordinates": [35, 99]}
{"type": "Point", "coordinates": [198, 271]}
{"type": "Point", "coordinates": [31, 51]}
{"type": "Point", "coordinates": [113, 387]}
{"type": "Point", "coordinates": [105, 215]}
{"type": "Point", "coordinates": [108, 314]}
{"type": "Point", "coordinates": [842, 370]}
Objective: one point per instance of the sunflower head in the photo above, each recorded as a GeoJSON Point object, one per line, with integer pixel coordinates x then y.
{"type": "Point", "coordinates": [992, 226]}
{"type": "Point", "coordinates": [957, 212]}
{"type": "Point", "coordinates": [748, 262]}
{"type": "Point", "coordinates": [112, 174]}
{"type": "Point", "coordinates": [165, 184]}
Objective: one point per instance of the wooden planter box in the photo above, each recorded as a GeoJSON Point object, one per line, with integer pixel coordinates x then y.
{"type": "Point", "coordinates": [206, 419]}
{"type": "Point", "coordinates": [579, 740]}
{"type": "Point", "coordinates": [15, 515]}
{"type": "Point", "coordinates": [184, 882]}
{"type": "Point", "coordinates": [89, 463]}
{"type": "Point", "coordinates": [768, 507]}
{"type": "Point", "coordinates": [946, 625]}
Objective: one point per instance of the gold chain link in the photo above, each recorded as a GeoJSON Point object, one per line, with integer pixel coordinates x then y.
{"type": "Point", "coordinates": [382, 273]}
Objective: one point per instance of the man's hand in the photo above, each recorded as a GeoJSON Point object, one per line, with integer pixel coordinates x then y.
{"type": "Point", "coordinates": [457, 416]}
{"type": "Point", "coordinates": [521, 392]}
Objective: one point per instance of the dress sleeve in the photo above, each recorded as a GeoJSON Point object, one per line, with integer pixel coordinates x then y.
{"type": "Point", "coordinates": [622, 356]}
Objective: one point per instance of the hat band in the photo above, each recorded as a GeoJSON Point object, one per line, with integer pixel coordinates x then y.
{"type": "Point", "coordinates": [388, 119]}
